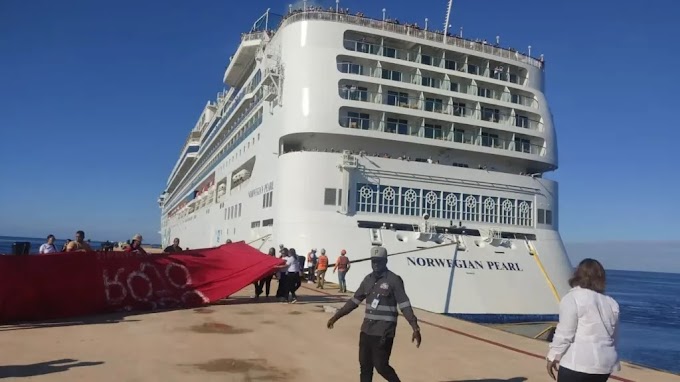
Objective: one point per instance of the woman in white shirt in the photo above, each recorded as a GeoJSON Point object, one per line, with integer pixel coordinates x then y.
{"type": "Point", "coordinates": [48, 247]}
{"type": "Point", "coordinates": [584, 346]}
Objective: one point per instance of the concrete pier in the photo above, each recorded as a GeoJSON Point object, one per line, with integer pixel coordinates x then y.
{"type": "Point", "coordinates": [246, 340]}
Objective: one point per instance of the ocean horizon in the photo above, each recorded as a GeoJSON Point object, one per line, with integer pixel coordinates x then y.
{"type": "Point", "coordinates": [649, 301]}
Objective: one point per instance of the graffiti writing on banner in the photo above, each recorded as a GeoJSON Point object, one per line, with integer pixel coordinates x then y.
{"type": "Point", "coordinates": [151, 285]}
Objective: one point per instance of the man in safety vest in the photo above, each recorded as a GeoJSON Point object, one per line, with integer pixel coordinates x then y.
{"type": "Point", "coordinates": [383, 292]}
{"type": "Point", "coordinates": [342, 266]}
{"type": "Point", "coordinates": [321, 267]}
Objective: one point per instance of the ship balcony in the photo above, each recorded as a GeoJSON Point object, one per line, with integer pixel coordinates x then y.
{"type": "Point", "coordinates": [438, 82]}
{"type": "Point", "coordinates": [452, 61]}
{"type": "Point", "coordinates": [241, 62]}
{"type": "Point", "coordinates": [428, 129]}
{"type": "Point", "coordinates": [431, 104]}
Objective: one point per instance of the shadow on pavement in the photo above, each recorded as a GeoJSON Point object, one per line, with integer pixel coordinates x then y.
{"type": "Point", "coordinates": [42, 368]}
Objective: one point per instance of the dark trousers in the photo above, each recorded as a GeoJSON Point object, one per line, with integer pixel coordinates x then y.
{"type": "Point", "coordinates": [262, 283]}
{"type": "Point", "coordinates": [374, 352]}
{"type": "Point", "coordinates": [568, 375]}
{"type": "Point", "coordinates": [282, 290]}
{"type": "Point", "coordinates": [293, 281]}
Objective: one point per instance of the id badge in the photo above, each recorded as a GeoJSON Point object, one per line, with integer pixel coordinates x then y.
{"type": "Point", "coordinates": [375, 303]}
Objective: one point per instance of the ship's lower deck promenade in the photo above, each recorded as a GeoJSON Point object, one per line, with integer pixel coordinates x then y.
{"type": "Point", "coordinates": [243, 340]}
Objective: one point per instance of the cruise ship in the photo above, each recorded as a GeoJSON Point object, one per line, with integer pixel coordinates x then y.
{"type": "Point", "coordinates": [339, 131]}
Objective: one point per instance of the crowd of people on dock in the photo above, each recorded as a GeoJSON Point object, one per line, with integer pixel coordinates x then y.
{"type": "Point", "coordinates": [290, 275]}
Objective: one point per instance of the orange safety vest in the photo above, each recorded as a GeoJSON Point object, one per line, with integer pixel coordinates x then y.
{"type": "Point", "coordinates": [342, 263]}
{"type": "Point", "coordinates": [322, 265]}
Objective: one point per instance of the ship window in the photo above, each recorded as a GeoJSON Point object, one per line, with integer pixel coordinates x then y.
{"type": "Point", "coordinates": [239, 210]}
{"type": "Point", "coordinates": [430, 82]}
{"type": "Point", "coordinates": [459, 108]}
{"type": "Point", "coordinates": [329, 196]}
{"type": "Point", "coordinates": [489, 114]}
{"type": "Point", "coordinates": [433, 104]}
{"type": "Point", "coordinates": [433, 131]}
{"type": "Point", "coordinates": [450, 64]}
{"type": "Point", "coordinates": [548, 217]}
{"type": "Point", "coordinates": [473, 69]}
{"type": "Point", "coordinates": [522, 145]}
{"type": "Point", "coordinates": [541, 216]}
{"type": "Point", "coordinates": [357, 120]}
{"type": "Point", "coordinates": [267, 199]}
{"type": "Point", "coordinates": [255, 224]}
{"type": "Point", "coordinates": [454, 87]}
{"type": "Point", "coordinates": [398, 126]}
{"type": "Point", "coordinates": [458, 135]}
{"type": "Point", "coordinates": [391, 75]}
{"type": "Point", "coordinates": [349, 67]}
{"type": "Point", "coordinates": [425, 59]}
{"type": "Point", "coordinates": [389, 52]}
{"type": "Point", "coordinates": [516, 98]}
{"type": "Point", "coordinates": [397, 98]}
{"type": "Point", "coordinates": [490, 140]}
{"type": "Point", "coordinates": [521, 121]}
{"type": "Point", "coordinates": [514, 79]}
{"type": "Point", "coordinates": [267, 222]}
{"type": "Point", "coordinates": [339, 196]}
{"type": "Point", "coordinates": [483, 92]}
{"type": "Point", "coordinates": [354, 93]}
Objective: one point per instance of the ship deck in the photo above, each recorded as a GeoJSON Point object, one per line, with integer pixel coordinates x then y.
{"type": "Point", "coordinates": [243, 340]}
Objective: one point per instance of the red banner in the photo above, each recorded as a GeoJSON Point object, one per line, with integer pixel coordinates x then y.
{"type": "Point", "coordinates": [81, 283]}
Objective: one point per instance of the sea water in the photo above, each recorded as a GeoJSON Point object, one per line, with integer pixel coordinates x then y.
{"type": "Point", "coordinates": [650, 311]}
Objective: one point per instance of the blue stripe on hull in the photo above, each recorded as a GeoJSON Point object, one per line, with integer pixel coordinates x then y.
{"type": "Point", "coordinates": [505, 318]}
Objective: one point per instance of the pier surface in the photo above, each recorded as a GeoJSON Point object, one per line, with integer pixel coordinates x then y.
{"type": "Point", "coordinates": [246, 340]}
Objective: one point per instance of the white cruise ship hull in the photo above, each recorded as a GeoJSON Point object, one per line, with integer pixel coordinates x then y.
{"type": "Point", "coordinates": [275, 161]}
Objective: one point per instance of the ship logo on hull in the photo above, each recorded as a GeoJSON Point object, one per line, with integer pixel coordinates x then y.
{"type": "Point", "coordinates": [462, 263]}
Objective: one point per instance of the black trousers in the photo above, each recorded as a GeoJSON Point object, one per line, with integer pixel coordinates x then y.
{"type": "Point", "coordinates": [374, 352]}
{"type": "Point", "coordinates": [293, 281]}
{"type": "Point", "coordinates": [282, 290]}
{"type": "Point", "coordinates": [568, 375]}
{"type": "Point", "coordinates": [262, 283]}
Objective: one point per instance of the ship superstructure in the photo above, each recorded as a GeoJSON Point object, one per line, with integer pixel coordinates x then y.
{"type": "Point", "coordinates": [342, 132]}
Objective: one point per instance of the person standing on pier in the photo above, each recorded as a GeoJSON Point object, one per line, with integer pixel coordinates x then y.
{"type": "Point", "coordinates": [321, 267]}
{"type": "Point", "coordinates": [583, 348]}
{"type": "Point", "coordinates": [342, 266]}
{"type": "Point", "coordinates": [174, 247]}
{"type": "Point", "coordinates": [79, 244]}
{"type": "Point", "coordinates": [384, 293]}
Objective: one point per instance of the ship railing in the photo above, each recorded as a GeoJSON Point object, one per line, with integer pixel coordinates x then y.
{"type": "Point", "coordinates": [437, 105]}
{"type": "Point", "coordinates": [437, 132]}
{"type": "Point", "coordinates": [415, 56]}
{"type": "Point", "coordinates": [411, 31]}
{"type": "Point", "coordinates": [440, 83]}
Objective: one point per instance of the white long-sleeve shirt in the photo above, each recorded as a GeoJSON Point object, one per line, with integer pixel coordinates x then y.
{"type": "Point", "coordinates": [585, 339]}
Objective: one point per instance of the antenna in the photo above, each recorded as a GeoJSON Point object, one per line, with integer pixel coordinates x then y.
{"type": "Point", "coordinates": [448, 15]}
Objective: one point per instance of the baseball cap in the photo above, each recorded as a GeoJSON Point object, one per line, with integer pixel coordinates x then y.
{"type": "Point", "coordinates": [378, 252]}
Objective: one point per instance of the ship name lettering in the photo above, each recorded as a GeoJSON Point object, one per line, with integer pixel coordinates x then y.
{"type": "Point", "coordinates": [462, 263]}
{"type": "Point", "coordinates": [261, 190]}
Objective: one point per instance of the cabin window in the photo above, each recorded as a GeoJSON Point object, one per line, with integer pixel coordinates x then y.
{"type": "Point", "coordinates": [521, 121]}
{"type": "Point", "coordinates": [450, 64]}
{"type": "Point", "coordinates": [425, 59]}
{"type": "Point", "coordinates": [329, 196]}
{"type": "Point", "coordinates": [255, 224]}
{"type": "Point", "coordinates": [267, 222]}
{"type": "Point", "coordinates": [522, 145]}
{"type": "Point", "coordinates": [541, 216]}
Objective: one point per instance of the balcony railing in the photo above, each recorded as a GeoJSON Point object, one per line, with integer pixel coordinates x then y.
{"type": "Point", "coordinates": [442, 134]}
{"type": "Point", "coordinates": [440, 107]}
{"type": "Point", "coordinates": [440, 84]}
{"type": "Point", "coordinates": [412, 32]}
{"type": "Point", "coordinates": [414, 56]}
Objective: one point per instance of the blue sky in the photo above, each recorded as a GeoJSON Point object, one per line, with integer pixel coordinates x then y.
{"type": "Point", "coordinates": [97, 99]}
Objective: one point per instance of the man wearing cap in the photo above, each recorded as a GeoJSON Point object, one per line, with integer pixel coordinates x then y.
{"type": "Point", "coordinates": [383, 292]}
